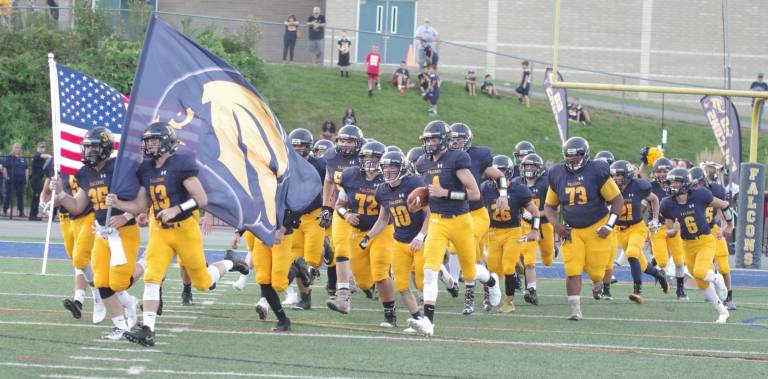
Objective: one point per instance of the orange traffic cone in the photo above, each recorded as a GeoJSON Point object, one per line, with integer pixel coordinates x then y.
{"type": "Point", "coordinates": [409, 59]}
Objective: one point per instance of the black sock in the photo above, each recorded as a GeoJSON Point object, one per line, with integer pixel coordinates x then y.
{"type": "Point", "coordinates": [634, 265]}
{"type": "Point", "coordinates": [187, 288]}
{"type": "Point", "coordinates": [389, 309]}
{"type": "Point", "coordinates": [429, 311]}
{"type": "Point", "coordinates": [509, 285]}
{"type": "Point", "coordinates": [730, 295]}
{"type": "Point", "coordinates": [274, 301]}
{"type": "Point", "coordinates": [651, 270]}
{"type": "Point", "coordinates": [607, 288]}
{"type": "Point", "coordinates": [332, 278]}
{"type": "Point", "coordinates": [417, 315]}
{"type": "Point", "coordinates": [491, 282]}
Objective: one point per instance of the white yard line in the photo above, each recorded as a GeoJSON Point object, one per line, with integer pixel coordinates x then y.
{"type": "Point", "coordinates": [91, 348]}
{"type": "Point", "coordinates": [79, 377]}
{"type": "Point", "coordinates": [111, 359]}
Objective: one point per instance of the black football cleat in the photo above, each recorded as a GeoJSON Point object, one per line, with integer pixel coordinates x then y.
{"type": "Point", "coordinates": [661, 278]}
{"type": "Point", "coordinates": [239, 264]}
{"type": "Point", "coordinates": [144, 337]}
{"type": "Point", "coordinates": [454, 291]}
{"type": "Point", "coordinates": [75, 307]}
{"type": "Point", "coordinates": [283, 325]}
{"type": "Point", "coordinates": [303, 272]}
{"type": "Point", "coordinates": [305, 303]}
{"type": "Point", "coordinates": [531, 297]}
{"type": "Point", "coordinates": [160, 305]}
{"type": "Point", "coordinates": [186, 298]}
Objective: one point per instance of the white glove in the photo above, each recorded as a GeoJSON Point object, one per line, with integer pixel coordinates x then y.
{"type": "Point", "coordinates": [52, 184]}
{"type": "Point", "coordinates": [527, 216]}
{"type": "Point", "coordinates": [654, 226]}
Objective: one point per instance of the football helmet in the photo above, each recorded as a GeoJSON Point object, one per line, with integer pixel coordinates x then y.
{"type": "Point", "coordinates": [504, 164]}
{"type": "Point", "coordinates": [532, 166]}
{"type": "Point", "coordinates": [436, 129]}
{"type": "Point", "coordinates": [575, 154]}
{"type": "Point", "coordinates": [677, 182]}
{"type": "Point", "coordinates": [394, 159]}
{"type": "Point", "coordinates": [370, 155]}
{"type": "Point", "coordinates": [622, 172]}
{"type": "Point", "coordinates": [606, 156]}
{"type": "Point", "coordinates": [395, 148]}
{"type": "Point", "coordinates": [163, 132]}
{"type": "Point", "coordinates": [697, 176]}
{"type": "Point", "coordinates": [660, 169]}
{"type": "Point", "coordinates": [302, 141]}
{"type": "Point", "coordinates": [522, 149]}
{"type": "Point", "coordinates": [349, 140]}
{"type": "Point", "coordinates": [97, 145]}
{"type": "Point", "coordinates": [321, 146]}
{"type": "Point", "coordinates": [461, 136]}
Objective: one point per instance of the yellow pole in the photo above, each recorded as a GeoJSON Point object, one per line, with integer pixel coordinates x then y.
{"type": "Point", "coordinates": [660, 89]}
{"type": "Point", "coordinates": [555, 41]}
{"type": "Point", "coordinates": [755, 129]}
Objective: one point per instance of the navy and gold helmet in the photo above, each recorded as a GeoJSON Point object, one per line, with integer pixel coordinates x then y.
{"type": "Point", "coordinates": [396, 159]}
{"type": "Point", "coordinates": [622, 172]}
{"type": "Point", "coordinates": [504, 164]}
{"type": "Point", "coordinates": [321, 146]}
{"type": "Point", "coordinates": [161, 131]}
{"type": "Point", "coordinates": [394, 148]}
{"type": "Point", "coordinates": [522, 149]}
{"type": "Point", "coordinates": [679, 176]}
{"type": "Point", "coordinates": [370, 155]}
{"type": "Point", "coordinates": [413, 155]}
{"type": "Point", "coordinates": [532, 166]}
{"type": "Point", "coordinates": [698, 176]}
{"type": "Point", "coordinates": [660, 169]}
{"type": "Point", "coordinates": [97, 145]}
{"type": "Point", "coordinates": [303, 139]}
{"type": "Point", "coordinates": [462, 135]}
{"type": "Point", "coordinates": [605, 156]}
{"type": "Point", "coordinates": [436, 129]}
{"type": "Point", "coordinates": [353, 133]}
{"type": "Point", "coordinates": [575, 154]}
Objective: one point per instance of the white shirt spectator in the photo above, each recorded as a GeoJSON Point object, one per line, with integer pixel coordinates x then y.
{"type": "Point", "coordinates": [427, 33]}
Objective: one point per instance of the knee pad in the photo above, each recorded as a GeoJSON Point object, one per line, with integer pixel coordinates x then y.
{"type": "Point", "coordinates": [430, 285]}
{"type": "Point", "coordinates": [105, 293]}
{"type": "Point", "coordinates": [151, 291]}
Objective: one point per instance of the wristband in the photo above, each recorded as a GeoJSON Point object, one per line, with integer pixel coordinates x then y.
{"type": "Point", "coordinates": [728, 213]}
{"type": "Point", "coordinates": [61, 195]}
{"type": "Point", "coordinates": [342, 211]}
{"type": "Point", "coordinates": [536, 223]}
{"type": "Point", "coordinates": [128, 216]}
{"type": "Point", "coordinates": [503, 192]}
{"type": "Point", "coordinates": [419, 236]}
{"type": "Point", "coordinates": [612, 220]}
{"type": "Point", "coordinates": [503, 183]}
{"type": "Point", "coordinates": [188, 205]}
{"type": "Point", "coordinates": [457, 195]}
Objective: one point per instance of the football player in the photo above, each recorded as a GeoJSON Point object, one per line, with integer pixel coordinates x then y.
{"type": "Point", "coordinates": [169, 184]}
{"type": "Point", "coordinates": [370, 256]}
{"type": "Point", "coordinates": [93, 180]}
{"type": "Point", "coordinates": [70, 232]}
{"type": "Point", "coordinates": [701, 179]}
{"type": "Point", "coordinates": [522, 149]}
{"type": "Point", "coordinates": [605, 156]}
{"type": "Point", "coordinates": [410, 228]}
{"type": "Point", "coordinates": [505, 234]}
{"type": "Point", "coordinates": [685, 213]}
{"type": "Point", "coordinates": [320, 147]}
{"type": "Point", "coordinates": [582, 187]}
{"type": "Point", "coordinates": [349, 140]}
{"type": "Point", "coordinates": [632, 231]}
{"type": "Point", "coordinates": [451, 186]}
{"type": "Point", "coordinates": [482, 166]}
{"type": "Point", "coordinates": [535, 177]}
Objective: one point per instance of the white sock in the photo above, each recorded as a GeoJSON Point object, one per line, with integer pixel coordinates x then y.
{"type": "Point", "coordinates": [148, 318]}
{"type": "Point", "coordinates": [453, 265]}
{"type": "Point", "coordinates": [710, 277]}
{"type": "Point", "coordinates": [249, 260]}
{"type": "Point", "coordinates": [125, 298]}
{"type": "Point", "coordinates": [119, 322]}
{"type": "Point", "coordinates": [446, 277]}
{"type": "Point", "coordinates": [342, 285]}
{"type": "Point", "coordinates": [711, 296]}
{"type": "Point", "coordinates": [482, 273]}
{"type": "Point", "coordinates": [430, 285]}
{"type": "Point", "coordinates": [96, 295]}
{"type": "Point", "coordinates": [80, 296]}
{"type": "Point", "coordinates": [680, 271]}
{"type": "Point", "coordinates": [227, 264]}
{"type": "Point", "coordinates": [575, 302]}
{"type": "Point", "coordinates": [291, 290]}
{"type": "Point", "coordinates": [213, 271]}
{"type": "Point", "coordinates": [532, 285]}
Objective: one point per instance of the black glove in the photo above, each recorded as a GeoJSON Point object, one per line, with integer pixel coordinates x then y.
{"type": "Point", "coordinates": [325, 217]}
{"type": "Point", "coordinates": [364, 242]}
{"type": "Point", "coordinates": [291, 221]}
{"type": "Point", "coordinates": [644, 154]}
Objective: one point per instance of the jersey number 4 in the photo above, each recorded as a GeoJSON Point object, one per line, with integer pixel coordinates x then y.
{"type": "Point", "coordinates": [576, 195]}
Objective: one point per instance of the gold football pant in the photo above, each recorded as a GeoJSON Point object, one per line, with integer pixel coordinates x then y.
{"type": "Point", "coordinates": [586, 251]}
{"type": "Point", "coordinates": [699, 255]}
{"type": "Point", "coordinates": [66, 233]}
{"type": "Point", "coordinates": [82, 231]}
{"type": "Point", "coordinates": [546, 244]}
{"type": "Point", "coordinates": [663, 246]}
{"type": "Point", "coordinates": [481, 223]}
{"type": "Point", "coordinates": [308, 239]}
{"type": "Point", "coordinates": [117, 278]}
{"type": "Point", "coordinates": [632, 240]}
{"type": "Point", "coordinates": [405, 261]}
{"type": "Point", "coordinates": [184, 240]}
{"type": "Point", "coordinates": [456, 229]}
{"type": "Point", "coordinates": [371, 264]}
{"type": "Point", "coordinates": [341, 231]}
{"type": "Point", "coordinates": [504, 250]}
{"type": "Point", "coordinates": [721, 252]}
{"type": "Point", "coordinates": [272, 263]}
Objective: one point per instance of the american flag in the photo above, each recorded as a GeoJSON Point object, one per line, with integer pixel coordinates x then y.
{"type": "Point", "coordinates": [83, 103]}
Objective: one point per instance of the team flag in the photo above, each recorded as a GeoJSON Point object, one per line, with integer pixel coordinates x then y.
{"type": "Point", "coordinates": [246, 165]}
{"type": "Point", "coordinates": [79, 103]}
{"type": "Point", "coordinates": [724, 120]}
{"type": "Point", "coordinates": [558, 101]}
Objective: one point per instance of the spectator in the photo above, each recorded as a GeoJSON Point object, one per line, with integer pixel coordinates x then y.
{"type": "Point", "coordinates": [402, 79]}
{"type": "Point", "coordinates": [345, 45]}
{"type": "Point", "coordinates": [470, 83]}
{"type": "Point", "coordinates": [16, 171]}
{"type": "Point", "coordinates": [328, 130]}
{"type": "Point", "coordinates": [349, 118]}
{"type": "Point", "coordinates": [290, 36]}
{"type": "Point", "coordinates": [759, 84]}
{"type": "Point", "coordinates": [373, 64]}
{"type": "Point", "coordinates": [36, 178]}
{"type": "Point", "coordinates": [430, 55]}
{"type": "Point", "coordinates": [316, 24]}
{"type": "Point", "coordinates": [53, 11]}
{"type": "Point", "coordinates": [433, 92]}
{"type": "Point", "coordinates": [522, 90]}
{"type": "Point", "coordinates": [426, 34]}
{"type": "Point", "coordinates": [577, 113]}
{"type": "Point", "coordinates": [423, 81]}
{"type": "Point", "coordinates": [488, 88]}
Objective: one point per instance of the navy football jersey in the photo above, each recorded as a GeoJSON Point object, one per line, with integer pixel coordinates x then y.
{"type": "Point", "coordinates": [443, 172]}
{"type": "Point", "coordinates": [633, 193]}
{"type": "Point", "coordinates": [518, 197]}
{"type": "Point", "coordinates": [96, 186]}
{"type": "Point", "coordinates": [692, 215]}
{"type": "Point", "coordinates": [481, 159]}
{"type": "Point", "coordinates": [659, 191]}
{"type": "Point", "coordinates": [319, 165]}
{"type": "Point", "coordinates": [579, 194]}
{"type": "Point", "coordinates": [361, 196]}
{"type": "Point", "coordinates": [335, 165]}
{"type": "Point", "coordinates": [407, 224]}
{"type": "Point", "coordinates": [165, 185]}
{"type": "Point", "coordinates": [539, 192]}
{"type": "Point", "coordinates": [718, 191]}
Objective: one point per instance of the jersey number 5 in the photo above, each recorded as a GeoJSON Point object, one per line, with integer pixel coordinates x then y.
{"type": "Point", "coordinates": [576, 195]}
{"type": "Point", "coordinates": [98, 196]}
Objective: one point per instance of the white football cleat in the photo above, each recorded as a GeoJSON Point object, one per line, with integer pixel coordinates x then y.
{"type": "Point", "coordinates": [723, 316]}
{"type": "Point", "coordinates": [291, 298]}
{"type": "Point", "coordinates": [99, 312]}
{"type": "Point", "coordinates": [115, 335]}
{"type": "Point", "coordinates": [410, 330]}
{"type": "Point", "coordinates": [422, 325]}
{"type": "Point", "coordinates": [495, 292]}
{"type": "Point", "coordinates": [722, 291]}
{"type": "Point", "coordinates": [240, 283]}
{"type": "Point", "coordinates": [262, 308]}
{"type": "Point", "coordinates": [387, 324]}
{"type": "Point", "coordinates": [130, 313]}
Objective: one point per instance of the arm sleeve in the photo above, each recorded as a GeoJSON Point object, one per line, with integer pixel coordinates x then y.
{"type": "Point", "coordinates": [610, 190]}
{"type": "Point", "coordinates": [552, 199]}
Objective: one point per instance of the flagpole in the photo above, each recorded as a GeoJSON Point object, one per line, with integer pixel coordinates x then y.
{"type": "Point", "coordinates": [56, 152]}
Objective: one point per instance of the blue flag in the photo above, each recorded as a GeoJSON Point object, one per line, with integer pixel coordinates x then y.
{"type": "Point", "coordinates": [724, 120]}
{"type": "Point", "coordinates": [246, 165]}
{"type": "Point", "coordinates": [558, 101]}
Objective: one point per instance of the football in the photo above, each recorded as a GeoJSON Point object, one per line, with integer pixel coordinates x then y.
{"type": "Point", "coordinates": [421, 195]}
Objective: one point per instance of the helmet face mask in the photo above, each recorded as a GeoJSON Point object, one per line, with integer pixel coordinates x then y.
{"type": "Point", "coordinates": [677, 182]}
{"type": "Point", "coordinates": [91, 154]}
{"type": "Point", "coordinates": [460, 137]}
{"type": "Point", "coordinates": [532, 166]}
{"type": "Point", "coordinates": [162, 133]}
{"type": "Point", "coordinates": [575, 154]}
{"type": "Point", "coordinates": [393, 166]}
{"type": "Point", "coordinates": [459, 143]}
{"type": "Point", "coordinates": [349, 141]}
{"type": "Point", "coordinates": [370, 155]}
{"type": "Point", "coordinates": [301, 141]}
{"type": "Point", "coordinates": [97, 146]}
{"type": "Point", "coordinates": [435, 138]}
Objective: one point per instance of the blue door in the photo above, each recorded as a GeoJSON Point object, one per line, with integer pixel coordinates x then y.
{"type": "Point", "coordinates": [388, 23]}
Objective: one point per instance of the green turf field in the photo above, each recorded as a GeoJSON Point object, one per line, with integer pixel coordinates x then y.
{"type": "Point", "coordinates": [221, 336]}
